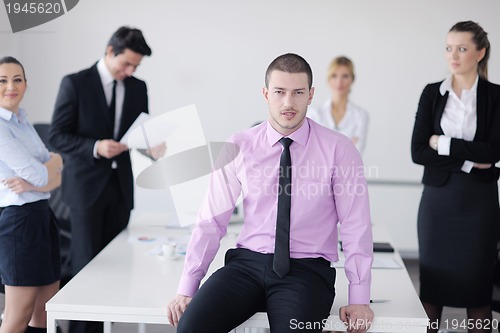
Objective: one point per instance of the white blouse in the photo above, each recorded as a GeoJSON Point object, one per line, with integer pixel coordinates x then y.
{"type": "Point", "coordinates": [353, 125]}
{"type": "Point", "coordinates": [459, 119]}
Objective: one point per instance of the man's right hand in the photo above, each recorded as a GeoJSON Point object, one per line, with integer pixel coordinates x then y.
{"type": "Point", "coordinates": [176, 308]}
{"type": "Point", "coordinates": [110, 148]}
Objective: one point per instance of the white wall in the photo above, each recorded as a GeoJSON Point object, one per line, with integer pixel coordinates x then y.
{"type": "Point", "coordinates": [214, 54]}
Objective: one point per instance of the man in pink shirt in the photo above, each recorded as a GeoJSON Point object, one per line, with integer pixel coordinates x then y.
{"type": "Point", "coordinates": [299, 180]}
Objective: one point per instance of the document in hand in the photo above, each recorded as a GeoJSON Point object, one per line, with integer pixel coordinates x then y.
{"type": "Point", "coordinates": [147, 132]}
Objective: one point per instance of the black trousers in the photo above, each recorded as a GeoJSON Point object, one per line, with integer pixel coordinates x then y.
{"type": "Point", "coordinates": [247, 284]}
{"type": "Point", "coordinates": [91, 230]}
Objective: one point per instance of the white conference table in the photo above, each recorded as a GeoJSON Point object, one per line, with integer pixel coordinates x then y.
{"type": "Point", "coordinates": [127, 283]}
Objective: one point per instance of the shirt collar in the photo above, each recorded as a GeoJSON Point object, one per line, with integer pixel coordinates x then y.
{"type": "Point", "coordinates": [446, 85]}
{"type": "Point", "coordinates": [474, 86]}
{"type": "Point", "coordinates": [8, 115]}
{"type": "Point", "coordinates": [106, 77]}
{"type": "Point", "coordinates": [300, 135]}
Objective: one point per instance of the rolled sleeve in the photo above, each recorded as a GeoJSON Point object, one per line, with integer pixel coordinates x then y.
{"type": "Point", "coordinates": [34, 173]}
{"type": "Point", "coordinates": [23, 164]}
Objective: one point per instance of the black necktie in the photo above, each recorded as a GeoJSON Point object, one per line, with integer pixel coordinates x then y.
{"type": "Point", "coordinates": [112, 106]}
{"type": "Point", "coordinates": [281, 264]}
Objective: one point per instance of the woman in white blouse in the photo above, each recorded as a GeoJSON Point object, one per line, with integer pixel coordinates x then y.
{"type": "Point", "coordinates": [30, 263]}
{"type": "Point", "coordinates": [456, 137]}
{"type": "Point", "coordinates": [339, 113]}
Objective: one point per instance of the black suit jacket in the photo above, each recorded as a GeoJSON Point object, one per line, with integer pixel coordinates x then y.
{"type": "Point", "coordinates": [485, 148]}
{"type": "Point", "coordinates": [81, 117]}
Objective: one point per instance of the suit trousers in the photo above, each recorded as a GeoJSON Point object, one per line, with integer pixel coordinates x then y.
{"type": "Point", "coordinates": [91, 230]}
{"type": "Point", "coordinates": [301, 300]}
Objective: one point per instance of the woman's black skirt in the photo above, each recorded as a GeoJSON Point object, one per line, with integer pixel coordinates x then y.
{"type": "Point", "coordinates": [458, 226]}
{"type": "Point", "coordinates": [29, 245]}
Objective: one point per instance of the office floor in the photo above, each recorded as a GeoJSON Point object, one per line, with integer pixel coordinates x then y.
{"type": "Point", "coordinates": [411, 265]}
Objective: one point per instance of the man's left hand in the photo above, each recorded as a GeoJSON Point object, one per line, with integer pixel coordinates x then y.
{"type": "Point", "coordinates": [158, 151]}
{"type": "Point", "coordinates": [357, 317]}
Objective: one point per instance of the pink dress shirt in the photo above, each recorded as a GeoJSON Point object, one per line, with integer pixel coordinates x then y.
{"type": "Point", "coordinates": [328, 189]}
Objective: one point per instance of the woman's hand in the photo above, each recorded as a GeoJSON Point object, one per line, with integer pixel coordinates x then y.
{"type": "Point", "coordinates": [57, 158]}
{"type": "Point", "coordinates": [18, 185]}
{"type": "Point", "coordinates": [482, 165]}
{"type": "Point", "coordinates": [433, 142]}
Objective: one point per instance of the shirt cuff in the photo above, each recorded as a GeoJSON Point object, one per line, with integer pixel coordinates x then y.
{"type": "Point", "coordinates": [359, 294]}
{"type": "Point", "coordinates": [444, 143]}
{"type": "Point", "coordinates": [95, 150]}
{"type": "Point", "coordinates": [188, 286]}
{"type": "Point", "coordinates": [467, 166]}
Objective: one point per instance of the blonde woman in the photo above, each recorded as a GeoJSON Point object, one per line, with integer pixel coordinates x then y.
{"type": "Point", "coordinates": [338, 112]}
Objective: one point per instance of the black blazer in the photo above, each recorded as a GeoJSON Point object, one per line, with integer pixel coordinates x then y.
{"type": "Point", "coordinates": [485, 148]}
{"type": "Point", "coordinates": [80, 118]}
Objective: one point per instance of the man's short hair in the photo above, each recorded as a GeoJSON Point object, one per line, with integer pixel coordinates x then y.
{"type": "Point", "coordinates": [129, 38]}
{"type": "Point", "coordinates": [289, 63]}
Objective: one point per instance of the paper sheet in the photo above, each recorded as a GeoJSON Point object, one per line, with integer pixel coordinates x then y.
{"type": "Point", "coordinates": [147, 131]}
{"type": "Point", "coordinates": [143, 116]}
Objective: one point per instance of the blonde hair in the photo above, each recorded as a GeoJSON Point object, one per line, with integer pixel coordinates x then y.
{"type": "Point", "coordinates": [340, 61]}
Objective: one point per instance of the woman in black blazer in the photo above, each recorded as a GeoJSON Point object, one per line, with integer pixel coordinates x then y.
{"type": "Point", "coordinates": [456, 137]}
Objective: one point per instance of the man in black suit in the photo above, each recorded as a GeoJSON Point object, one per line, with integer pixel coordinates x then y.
{"type": "Point", "coordinates": [94, 109]}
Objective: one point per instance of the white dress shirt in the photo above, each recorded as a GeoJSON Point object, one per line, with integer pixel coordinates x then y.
{"type": "Point", "coordinates": [22, 154]}
{"type": "Point", "coordinates": [459, 119]}
{"type": "Point", "coordinates": [353, 125]}
{"type": "Point", "coordinates": [107, 84]}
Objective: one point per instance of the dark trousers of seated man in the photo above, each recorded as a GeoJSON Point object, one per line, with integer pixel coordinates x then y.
{"type": "Point", "coordinates": [299, 301]}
